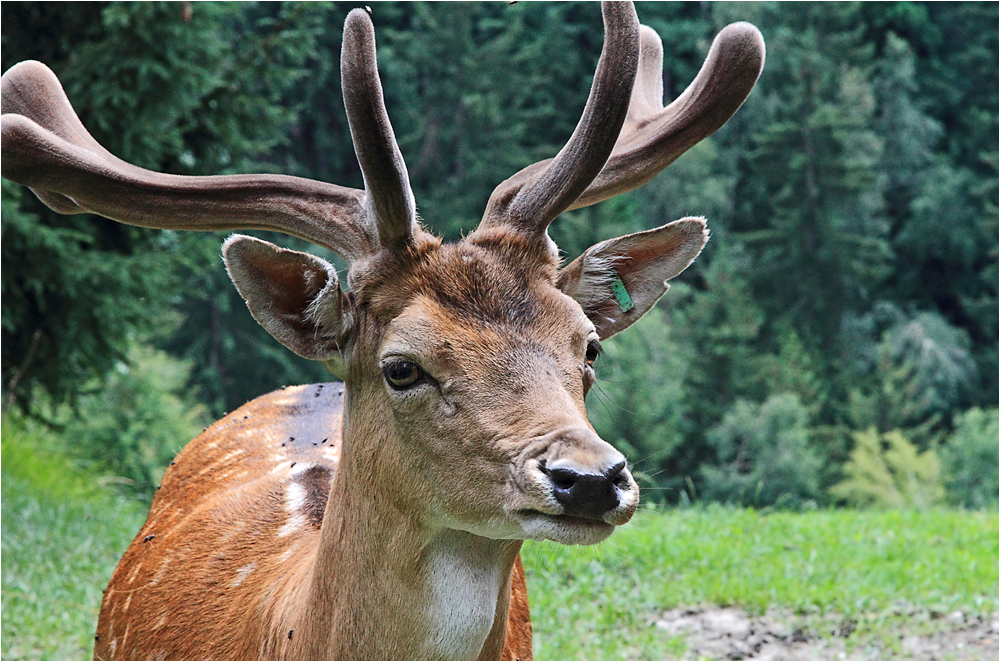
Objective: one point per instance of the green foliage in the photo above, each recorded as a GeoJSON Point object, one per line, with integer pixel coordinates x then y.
{"type": "Point", "coordinates": [812, 191]}
{"type": "Point", "coordinates": [928, 362]}
{"type": "Point", "coordinates": [792, 369]}
{"type": "Point", "coordinates": [722, 323]}
{"type": "Point", "coordinates": [765, 458]}
{"type": "Point", "coordinates": [166, 91]}
{"type": "Point", "coordinates": [637, 402]}
{"type": "Point", "coordinates": [596, 602]}
{"type": "Point", "coordinates": [920, 370]}
{"type": "Point", "coordinates": [137, 421]}
{"type": "Point", "coordinates": [69, 303]}
{"type": "Point", "coordinates": [971, 459]}
{"type": "Point", "coordinates": [887, 471]}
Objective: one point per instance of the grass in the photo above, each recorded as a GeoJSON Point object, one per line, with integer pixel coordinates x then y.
{"type": "Point", "coordinates": [874, 569]}
{"type": "Point", "coordinates": [63, 532]}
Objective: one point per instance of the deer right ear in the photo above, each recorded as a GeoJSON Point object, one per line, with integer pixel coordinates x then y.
{"type": "Point", "coordinates": [295, 296]}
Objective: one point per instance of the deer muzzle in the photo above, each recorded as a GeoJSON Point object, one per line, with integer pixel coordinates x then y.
{"type": "Point", "coordinates": [576, 487]}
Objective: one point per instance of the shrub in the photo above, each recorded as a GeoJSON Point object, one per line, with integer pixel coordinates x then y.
{"type": "Point", "coordinates": [971, 458]}
{"type": "Point", "coordinates": [135, 424]}
{"type": "Point", "coordinates": [765, 455]}
{"type": "Point", "coordinates": [887, 471]}
{"type": "Point", "coordinates": [927, 365]}
{"type": "Point", "coordinates": [913, 378]}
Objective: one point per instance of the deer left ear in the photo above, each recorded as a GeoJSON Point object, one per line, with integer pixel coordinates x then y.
{"type": "Point", "coordinates": [295, 296]}
{"type": "Point", "coordinates": [617, 281]}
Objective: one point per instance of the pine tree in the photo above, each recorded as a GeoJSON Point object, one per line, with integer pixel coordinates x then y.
{"type": "Point", "coordinates": [168, 90]}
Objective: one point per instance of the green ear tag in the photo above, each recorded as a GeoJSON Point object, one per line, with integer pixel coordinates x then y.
{"type": "Point", "coordinates": [621, 294]}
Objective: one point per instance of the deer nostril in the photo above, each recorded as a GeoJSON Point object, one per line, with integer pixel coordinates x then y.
{"type": "Point", "coordinates": [618, 476]}
{"type": "Point", "coordinates": [563, 479]}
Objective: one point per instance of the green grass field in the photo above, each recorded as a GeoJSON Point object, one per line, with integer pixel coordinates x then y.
{"type": "Point", "coordinates": [63, 533]}
{"type": "Point", "coordinates": [874, 568]}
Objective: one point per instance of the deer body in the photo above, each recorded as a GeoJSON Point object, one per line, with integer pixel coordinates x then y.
{"type": "Point", "coordinates": [281, 452]}
{"type": "Point", "coordinates": [382, 518]}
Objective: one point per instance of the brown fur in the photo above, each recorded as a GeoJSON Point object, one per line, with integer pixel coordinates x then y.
{"type": "Point", "coordinates": [517, 645]}
{"type": "Point", "coordinates": [175, 595]}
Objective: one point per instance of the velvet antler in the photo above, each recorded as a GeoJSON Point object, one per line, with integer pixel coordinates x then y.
{"type": "Point", "coordinates": [47, 148]}
{"type": "Point", "coordinates": [532, 198]}
{"type": "Point", "coordinates": [651, 137]}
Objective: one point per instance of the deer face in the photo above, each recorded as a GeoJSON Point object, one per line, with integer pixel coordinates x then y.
{"type": "Point", "coordinates": [480, 365]}
{"type": "Point", "coordinates": [467, 366]}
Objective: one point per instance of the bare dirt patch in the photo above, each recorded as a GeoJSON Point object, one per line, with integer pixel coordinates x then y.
{"type": "Point", "coordinates": [730, 633]}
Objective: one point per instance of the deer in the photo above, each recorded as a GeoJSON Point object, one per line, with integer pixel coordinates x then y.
{"type": "Point", "coordinates": [382, 516]}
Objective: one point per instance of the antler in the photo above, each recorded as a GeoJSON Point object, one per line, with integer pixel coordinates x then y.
{"type": "Point", "coordinates": [532, 198]}
{"type": "Point", "coordinates": [390, 200]}
{"type": "Point", "coordinates": [47, 148]}
{"type": "Point", "coordinates": [652, 136]}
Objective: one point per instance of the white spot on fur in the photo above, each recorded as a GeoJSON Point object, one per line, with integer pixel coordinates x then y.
{"type": "Point", "coordinates": [295, 499]}
{"type": "Point", "coordinates": [294, 523]}
{"type": "Point", "coordinates": [161, 623]}
{"type": "Point", "coordinates": [128, 601]}
{"type": "Point", "coordinates": [135, 573]}
{"type": "Point", "coordinates": [300, 468]}
{"type": "Point", "coordinates": [243, 573]}
{"type": "Point", "coordinates": [295, 496]}
{"type": "Point", "coordinates": [285, 555]}
{"type": "Point", "coordinates": [231, 454]}
{"type": "Point", "coordinates": [114, 645]}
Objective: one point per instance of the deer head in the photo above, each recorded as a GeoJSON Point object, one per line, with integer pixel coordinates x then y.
{"type": "Point", "coordinates": [466, 364]}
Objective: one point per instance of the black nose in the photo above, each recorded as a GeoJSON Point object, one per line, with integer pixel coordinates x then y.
{"type": "Point", "coordinates": [589, 495]}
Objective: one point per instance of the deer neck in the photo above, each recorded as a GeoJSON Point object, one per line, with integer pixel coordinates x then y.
{"type": "Point", "coordinates": [385, 584]}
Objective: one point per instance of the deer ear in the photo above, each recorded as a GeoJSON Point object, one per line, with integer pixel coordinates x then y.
{"type": "Point", "coordinates": [295, 296]}
{"type": "Point", "coordinates": [617, 281]}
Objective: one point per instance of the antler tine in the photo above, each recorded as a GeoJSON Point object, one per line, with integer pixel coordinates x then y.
{"type": "Point", "coordinates": [388, 196]}
{"type": "Point", "coordinates": [654, 136]}
{"type": "Point", "coordinates": [532, 198]}
{"type": "Point", "coordinates": [47, 148]}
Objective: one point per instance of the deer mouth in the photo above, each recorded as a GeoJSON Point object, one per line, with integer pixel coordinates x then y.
{"type": "Point", "coordinates": [565, 519]}
{"type": "Point", "coordinates": [565, 529]}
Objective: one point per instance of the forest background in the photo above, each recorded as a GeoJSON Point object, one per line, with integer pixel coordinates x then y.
{"type": "Point", "coordinates": [836, 343]}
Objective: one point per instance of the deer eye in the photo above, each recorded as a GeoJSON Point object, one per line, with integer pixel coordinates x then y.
{"type": "Point", "coordinates": [401, 374]}
{"type": "Point", "coordinates": [593, 351]}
